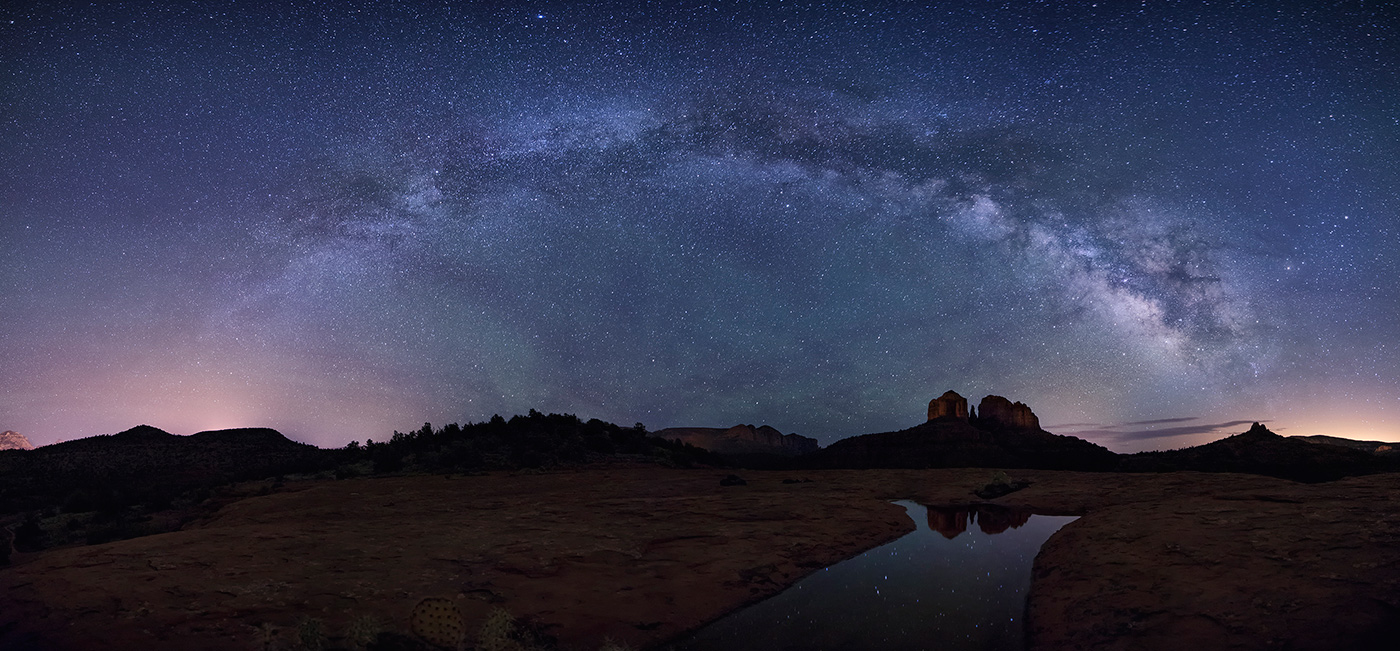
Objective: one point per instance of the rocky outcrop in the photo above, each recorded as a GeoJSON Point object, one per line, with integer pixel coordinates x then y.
{"type": "Point", "coordinates": [1000, 411]}
{"type": "Point", "coordinates": [12, 440]}
{"type": "Point", "coordinates": [741, 439]}
{"type": "Point", "coordinates": [948, 405]}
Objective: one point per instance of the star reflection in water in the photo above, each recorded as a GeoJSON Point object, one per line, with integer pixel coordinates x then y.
{"type": "Point", "coordinates": [959, 581]}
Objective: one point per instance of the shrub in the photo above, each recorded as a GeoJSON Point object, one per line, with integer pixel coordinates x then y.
{"type": "Point", "coordinates": [265, 636]}
{"type": "Point", "coordinates": [309, 634]}
{"type": "Point", "coordinates": [29, 535]}
{"type": "Point", "coordinates": [1000, 485]}
{"type": "Point", "coordinates": [362, 632]}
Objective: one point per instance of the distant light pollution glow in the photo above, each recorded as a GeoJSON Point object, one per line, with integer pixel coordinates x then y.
{"type": "Point", "coordinates": [1151, 222]}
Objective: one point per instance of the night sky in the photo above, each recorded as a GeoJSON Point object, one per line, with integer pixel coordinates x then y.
{"type": "Point", "coordinates": [1153, 222]}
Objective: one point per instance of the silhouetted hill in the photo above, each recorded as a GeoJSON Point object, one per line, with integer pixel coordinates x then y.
{"type": "Point", "coordinates": [535, 440]}
{"type": "Point", "coordinates": [144, 465]}
{"type": "Point", "coordinates": [113, 486]}
{"type": "Point", "coordinates": [241, 436]}
{"type": "Point", "coordinates": [145, 480]}
{"type": "Point", "coordinates": [741, 439]}
{"type": "Point", "coordinates": [1374, 447]}
{"type": "Point", "coordinates": [953, 442]}
{"type": "Point", "coordinates": [1262, 452]}
{"type": "Point", "coordinates": [158, 457]}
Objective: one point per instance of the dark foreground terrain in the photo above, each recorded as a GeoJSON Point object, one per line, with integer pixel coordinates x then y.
{"type": "Point", "coordinates": [639, 555]}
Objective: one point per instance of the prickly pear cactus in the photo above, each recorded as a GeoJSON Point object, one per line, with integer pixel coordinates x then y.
{"type": "Point", "coordinates": [438, 622]}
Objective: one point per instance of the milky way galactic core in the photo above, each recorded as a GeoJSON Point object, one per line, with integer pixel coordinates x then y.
{"type": "Point", "coordinates": [1151, 222]}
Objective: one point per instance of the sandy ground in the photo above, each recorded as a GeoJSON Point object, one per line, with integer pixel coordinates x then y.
{"type": "Point", "coordinates": [640, 555]}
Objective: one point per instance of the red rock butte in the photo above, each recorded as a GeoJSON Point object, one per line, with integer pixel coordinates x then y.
{"type": "Point", "coordinates": [12, 440]}
{"type": "Point", "coordinates": [948, 405]}
{"type": "Point", "coordinates": [992, 409]}
{"type": "Point", "coordinates": [1000, 410]}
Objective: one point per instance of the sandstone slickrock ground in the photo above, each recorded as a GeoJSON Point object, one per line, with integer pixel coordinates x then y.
{"type": "Point", "coordinates": [642, 554]}
{"type": "Point", "coordinates": [1289, 566]}
{"type": "Point", "coordinates": [632, 555]}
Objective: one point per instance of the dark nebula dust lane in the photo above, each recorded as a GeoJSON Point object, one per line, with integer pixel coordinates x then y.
{"type": "Point", "coordinates": [344, 220]}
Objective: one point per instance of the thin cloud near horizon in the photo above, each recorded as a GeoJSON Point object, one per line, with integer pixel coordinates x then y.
{"type": "Point", "coordinates": [1165, 420]}
{"type": "Point", "coordinates": [1180, 419]}
{"type": "Point", "coordinates": [1115, 432]}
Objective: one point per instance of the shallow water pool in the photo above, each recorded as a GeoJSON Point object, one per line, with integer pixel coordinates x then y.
{"type": "Point", "coordinates": [959, 581]}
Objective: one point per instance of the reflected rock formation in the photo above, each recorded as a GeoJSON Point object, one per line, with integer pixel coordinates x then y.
{"type": "Point", "coordinates": [951, 521]}
{"type": "Point", "coordinates": [948, 521]}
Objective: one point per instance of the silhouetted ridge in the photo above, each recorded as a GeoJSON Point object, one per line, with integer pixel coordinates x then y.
{"type": "Point", "coordinates": [111, 485]}
{"type": "Point", "coordinates": [535, 440]}
{"type": "Point", "coordinates": [741, 439]}
{"type": "Point", "coordinates": [1373, 447]}
{"type": "Point", "coordinates": [144, 466]}
{"type": "Point", "coordinates": [157, 455]}
{"type": "Point", "coordinates": [1262, 452]}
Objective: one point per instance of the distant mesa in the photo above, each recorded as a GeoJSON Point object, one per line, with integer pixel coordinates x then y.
{"type": "Point", "coordinates": [248, 436]}
{"type": "Point", "coordinates": [741, 439]}
{"type": "Point", "coordinates": [12, 440]}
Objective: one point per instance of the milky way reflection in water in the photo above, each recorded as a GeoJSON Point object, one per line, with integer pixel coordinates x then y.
{"type": "Point", "coordinates": [945, 586]}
